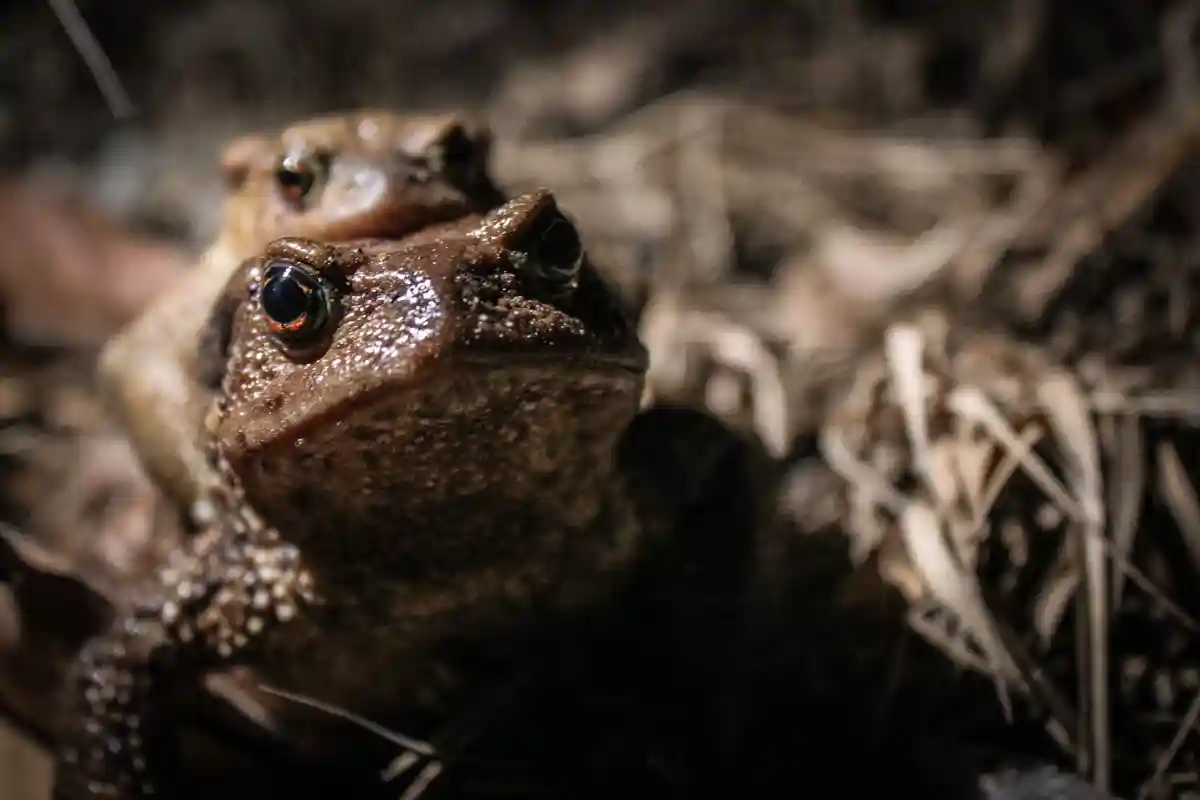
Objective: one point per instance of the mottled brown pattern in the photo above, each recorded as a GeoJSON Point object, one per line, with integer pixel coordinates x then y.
{"type": "Point", "coordinates": [437, 465]}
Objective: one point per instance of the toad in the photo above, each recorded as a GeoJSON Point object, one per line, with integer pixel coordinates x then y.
{"type": "Point", "coordinates": [417, 442]}
{"type": "Point", "coordinates": [369, 173]}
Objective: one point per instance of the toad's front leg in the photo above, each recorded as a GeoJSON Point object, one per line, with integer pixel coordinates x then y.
{"type": "Point", "coordinates": [208, 607]}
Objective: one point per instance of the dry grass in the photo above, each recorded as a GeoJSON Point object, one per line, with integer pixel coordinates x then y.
{"type": "Point", "coordinates": [825, 237]}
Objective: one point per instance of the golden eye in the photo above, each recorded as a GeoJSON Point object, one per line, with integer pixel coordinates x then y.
{"type": "Point", "coordinates": [295, 301]}
{"type": "Point", "coordinates": [299, 177]}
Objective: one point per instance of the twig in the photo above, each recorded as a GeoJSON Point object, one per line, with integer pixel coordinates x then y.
{"type": "Point", "coordinates": [414, 750]}
{"type": "Point", "coordinates": [93, 54]}
{"type": "Point", "coordinates": [399, 739]}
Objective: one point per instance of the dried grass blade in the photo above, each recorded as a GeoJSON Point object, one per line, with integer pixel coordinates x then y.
{"type": "Point", "coordinates": [863, 476]}
{"type": "Point", "coordinates": [423, 781]}
{"type": "Point", "coordinates": [738, 347]}
{"type": "Point", "coordinates": [415, 750]}
{"type": "Point", "coordinates": [1186, 726]}
{"type": "Point", "coordinates": [1070, 419]}
{"type": "Point", "coordinates": [1168, 405]}
{"type": "Point", "coordinates": [1180, 496]}
{"type": "Point", "coordinates": [925, 539]}
{"type": "Point", "coordinates": [972, 404]}
{"type": "Point", "coordinates": [1125, 492]}
{"type": "Point", "coordinates": [904, 346]}
{"type": "Point", "coordinates": [1057, 591]}
{"type": "Point", "coordinates": [930, 619]}
{"type": "Point", "coordinates": [1027, 439]}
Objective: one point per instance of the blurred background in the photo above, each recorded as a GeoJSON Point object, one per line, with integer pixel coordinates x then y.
{"type": "Point", "coordinates": [824, 216]}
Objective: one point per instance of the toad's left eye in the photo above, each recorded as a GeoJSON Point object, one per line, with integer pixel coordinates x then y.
{"type": "Point", "coordinates": [555, 250]}
{"type": "Point", "coordinates": [295, 301]}
{"type": "Point", "coordinates": [300, 178]}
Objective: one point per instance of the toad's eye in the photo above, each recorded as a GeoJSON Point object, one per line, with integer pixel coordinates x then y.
{"type": "Point", "coordinates": [455, 150]}
{"type": "Point", "coordinates": [300, 178]}
{"type": "Point", "coordinates": [295, 301]}
{"type": "Point", "coordinates": [555, 249]}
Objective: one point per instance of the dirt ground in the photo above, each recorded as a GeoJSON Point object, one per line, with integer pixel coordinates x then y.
{"type": "Point", "coordinates": [935, 262]}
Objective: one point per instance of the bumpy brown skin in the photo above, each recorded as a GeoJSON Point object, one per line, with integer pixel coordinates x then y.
{"type": "Point", "coordinates": [438, 459]}
{"type": "Point", "coordinates": [375, 174]}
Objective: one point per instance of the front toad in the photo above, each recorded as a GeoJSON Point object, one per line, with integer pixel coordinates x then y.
{"type": "Point", "coordinates": [430, 426]}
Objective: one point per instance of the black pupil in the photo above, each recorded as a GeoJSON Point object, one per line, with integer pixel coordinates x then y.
{"type": "Point", "coordinates": [300, 180]}
{"type": "Point", "coordinates": [288, 293]}
{"type": "Point", "coordinates": [457, 148]}
{"type": "Point", "coordinates": [559, 248]}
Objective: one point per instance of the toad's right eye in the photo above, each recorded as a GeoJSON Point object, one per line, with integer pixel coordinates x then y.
{"type": "Point", "coordinates": [454, 150]}
{"type": "Point", "coordinates": [295, 301]}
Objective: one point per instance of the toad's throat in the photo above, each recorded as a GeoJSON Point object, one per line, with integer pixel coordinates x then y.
{"type": "Point", "coordinates": [459, 466]}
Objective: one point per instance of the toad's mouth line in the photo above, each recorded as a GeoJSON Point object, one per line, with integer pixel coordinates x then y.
{"type": "Point", "coordinates": [299, 418]}
{"type": "Point", "coordinates": [632, 362]}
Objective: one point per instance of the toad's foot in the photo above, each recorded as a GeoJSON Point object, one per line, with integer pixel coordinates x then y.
{"type": "Point", "coordinates": [211, 603]}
